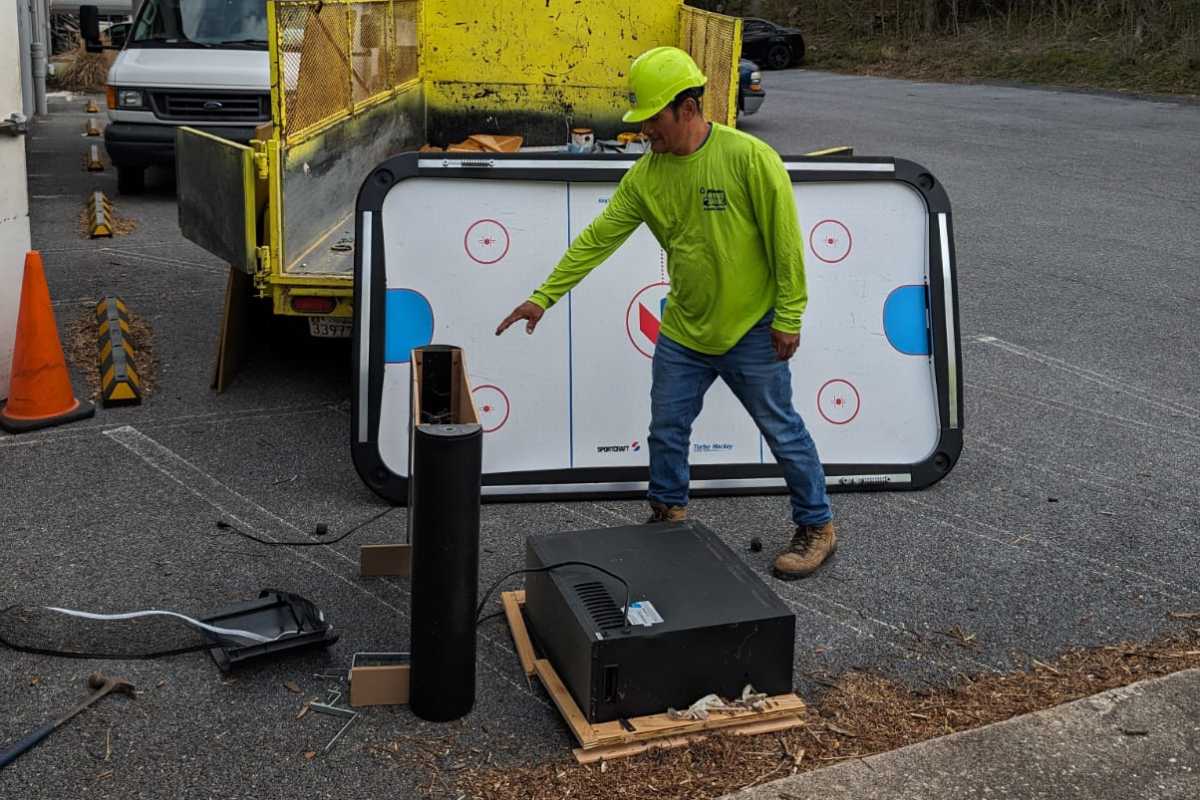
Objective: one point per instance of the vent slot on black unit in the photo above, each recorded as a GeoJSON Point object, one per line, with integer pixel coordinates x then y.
{"type": "Point", "coordinates": [600, 605]}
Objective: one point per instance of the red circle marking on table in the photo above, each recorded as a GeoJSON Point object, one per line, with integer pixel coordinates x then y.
{"type": "Point", "coordinates": [629, 308]}
{"type": "Point", "coordinates": [467, 241]}
{"type": "Point", "coordinates": [857, 401]}
{"type": "Point", "coordinates": [507, 405]}
{"type": "Point", "coordinates": [812, 245]}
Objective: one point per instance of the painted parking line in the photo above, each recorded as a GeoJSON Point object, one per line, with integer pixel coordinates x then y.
{"type": "Point", "coordinates": [240, 510]}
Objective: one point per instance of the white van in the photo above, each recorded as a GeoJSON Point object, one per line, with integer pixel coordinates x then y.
{"type": "Point", "coordinates": [201, 63]}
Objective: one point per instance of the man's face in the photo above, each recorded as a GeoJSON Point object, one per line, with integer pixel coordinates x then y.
{"type": "Point", "coordinates": [666, 129]}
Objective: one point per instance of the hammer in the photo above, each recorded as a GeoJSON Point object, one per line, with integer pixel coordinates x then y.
{"type": "Point", "coordinates": [100, 685]}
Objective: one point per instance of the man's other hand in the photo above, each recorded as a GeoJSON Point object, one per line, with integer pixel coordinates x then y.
{"type": "Point", "coordinates": [785, 344]}
{"type": "Point", "coordinates": [530, 312]}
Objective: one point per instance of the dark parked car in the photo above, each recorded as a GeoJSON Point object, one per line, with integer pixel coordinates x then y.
{"type": "Point", "coordinates": [750, 91]}
{"type": "Point", "coordinates": [773, 46]}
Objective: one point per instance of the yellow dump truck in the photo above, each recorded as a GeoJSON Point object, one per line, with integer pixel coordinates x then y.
{"type": "Point", "coordinates": [353, 82]}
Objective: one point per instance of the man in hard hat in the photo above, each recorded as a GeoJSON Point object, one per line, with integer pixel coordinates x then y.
{"type": "Point", "coordinates": [720, 203]}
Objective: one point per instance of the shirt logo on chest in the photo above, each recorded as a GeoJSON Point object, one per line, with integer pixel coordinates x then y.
{"type": "Point", "coordinates": [713, 199]}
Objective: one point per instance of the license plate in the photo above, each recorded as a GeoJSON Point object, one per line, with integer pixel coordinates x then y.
{"type": "Point", "coordinates": [330, 327]}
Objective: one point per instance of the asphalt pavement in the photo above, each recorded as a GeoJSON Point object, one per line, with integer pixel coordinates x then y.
{"type": "Point", "coordinates": [1071, 518]}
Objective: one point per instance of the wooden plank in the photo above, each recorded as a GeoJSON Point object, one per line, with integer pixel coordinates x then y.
{"type": "Point", "coordinates": [608, 733]}
{"type": "Point", "coordinates": [235, 320]}
{"type": "Point", "coordinates": [463, 399]}
{"type": "Point", "coordinates": [566, 704]}
{"type": "Point", "coordinates": [516, 626]}
{"type": "Point", "coordinates": [632, 749]}
{"type": "Point", "coordinates": [614, 751]}
{"type": "Point", "coordinates": [770, 726]}
{"type": "Point", "coordinates": [377, 560]}
{"type": "Point", "coordinates": [608, 740]}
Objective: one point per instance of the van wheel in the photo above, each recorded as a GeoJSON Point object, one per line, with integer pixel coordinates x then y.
{"type": "Point", "coordinates": [131, 180]}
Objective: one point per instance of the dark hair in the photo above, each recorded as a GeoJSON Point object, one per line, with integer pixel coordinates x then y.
{"type": "Point", "coordinates": [694, 93]}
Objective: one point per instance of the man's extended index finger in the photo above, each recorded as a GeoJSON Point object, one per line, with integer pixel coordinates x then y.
{"type": "Point", "coordinates": [509, 320]}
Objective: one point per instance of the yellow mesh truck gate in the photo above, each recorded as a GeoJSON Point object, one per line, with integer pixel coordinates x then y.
{"type": "Point", "coordinates": [355, 81]}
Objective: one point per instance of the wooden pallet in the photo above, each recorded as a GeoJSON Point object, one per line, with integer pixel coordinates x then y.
{"type": "Point", "coordinates": [608, 740]}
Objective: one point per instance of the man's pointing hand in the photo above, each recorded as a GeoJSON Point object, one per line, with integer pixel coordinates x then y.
{"type": "Point", "coordinates": [530, 312]}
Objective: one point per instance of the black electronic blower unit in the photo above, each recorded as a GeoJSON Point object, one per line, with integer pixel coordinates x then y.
{"type": "Point", "coordinates": [700, 620]}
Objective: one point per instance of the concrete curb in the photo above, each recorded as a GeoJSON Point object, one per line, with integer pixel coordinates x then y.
{"type": "Point", "coordinates": [1139, 741]}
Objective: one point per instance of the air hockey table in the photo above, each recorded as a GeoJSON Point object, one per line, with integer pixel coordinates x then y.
{"type": "Point", "coordinates": [448, 245]}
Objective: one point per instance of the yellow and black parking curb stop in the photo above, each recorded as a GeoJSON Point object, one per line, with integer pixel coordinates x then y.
{"type": "Point", "coordinates": [119, 381]}
{"type": "Point", "coordinates": [91, 107]}
{"type": "Point", "coordinates": [91, 159]}
{"type": "Point", "coordinates": [99, 216]}
{"type": "Point", "coordinates": [92, 128]}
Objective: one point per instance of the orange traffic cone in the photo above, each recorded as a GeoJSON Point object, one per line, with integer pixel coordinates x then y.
{"type": "Point", "coordinates": [40, 393]}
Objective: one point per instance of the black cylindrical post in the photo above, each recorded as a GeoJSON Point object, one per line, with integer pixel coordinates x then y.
{"type": "Point", "coordinates": [446, 465]}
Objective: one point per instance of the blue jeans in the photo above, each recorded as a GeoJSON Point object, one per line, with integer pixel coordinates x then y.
{"type": "Point", "coordinates": [763, 384]}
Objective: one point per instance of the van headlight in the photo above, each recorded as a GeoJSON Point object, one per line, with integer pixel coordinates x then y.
{"type": "Point", "coordinates": [131, 98]}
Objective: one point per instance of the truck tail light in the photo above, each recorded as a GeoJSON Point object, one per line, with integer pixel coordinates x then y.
{"type": "Point", "coordinates": [313, 305]}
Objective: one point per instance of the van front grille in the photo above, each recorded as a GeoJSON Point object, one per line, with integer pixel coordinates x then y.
{"type": "Point", "coordinates": [214, 106]}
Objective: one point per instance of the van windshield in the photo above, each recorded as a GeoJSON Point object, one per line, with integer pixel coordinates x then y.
{"type": "Point", "coordinates": [201, 23]}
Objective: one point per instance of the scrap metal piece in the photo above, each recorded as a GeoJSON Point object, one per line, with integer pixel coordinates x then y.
{"type": "Point", "coordinates": [119, 381]}
{"type": "Point", "coordinates": [337, 711]}
{"type": "Point", "coordinates": [99, 212]}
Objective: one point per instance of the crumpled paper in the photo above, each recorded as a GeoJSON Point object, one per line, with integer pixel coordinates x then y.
{"type": "Point", "coordinates": [710, 703]}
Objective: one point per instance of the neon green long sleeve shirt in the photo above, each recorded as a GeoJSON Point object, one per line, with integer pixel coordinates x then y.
{"type": "Point", "coordinates": [726, 217]}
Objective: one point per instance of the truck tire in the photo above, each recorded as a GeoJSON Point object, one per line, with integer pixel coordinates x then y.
{"type": "Point", "coordinates": [779, 56]}
{"type": "Point", "coordinates": [797, 50]}
{"type": "Point", "coordinates": [131, 180]}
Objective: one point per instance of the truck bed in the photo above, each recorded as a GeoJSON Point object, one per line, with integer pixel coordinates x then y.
{"type": "Point", "coordinates": [332, 255]}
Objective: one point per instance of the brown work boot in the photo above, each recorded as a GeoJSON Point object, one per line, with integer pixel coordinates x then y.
{"type": "Point", "coordinates": [810, 546]}
{"type": "Point", "coordinates": [664, 513]}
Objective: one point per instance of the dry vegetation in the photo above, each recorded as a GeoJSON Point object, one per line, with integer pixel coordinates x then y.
{"type": "Point", "coordinates": [121, 226]}
{"type": "Point", "coordinates": [859, 715]}
{"type": "Point", "coordinates": [81, 346]}
{"type": "Point", "coordinates": [1130, 45]}
{"type": "Point", "coordinates": [82, 71]}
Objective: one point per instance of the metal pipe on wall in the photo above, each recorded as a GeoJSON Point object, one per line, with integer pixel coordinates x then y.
{"type": "Point", "coordinates": [24, 24]}
{"type": "Point", "coordinates": [38, 49]}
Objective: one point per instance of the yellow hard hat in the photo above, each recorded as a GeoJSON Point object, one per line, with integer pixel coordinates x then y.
{"type": "Point", "coordinates": [656, 77]}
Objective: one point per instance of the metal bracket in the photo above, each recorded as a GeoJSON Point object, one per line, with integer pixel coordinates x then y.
{"type": "Point", "coordinates": [263, 257]}
{"type": "Point", "coordinates": [261, 169]}
{"type": "Point", "coordinates": [15, 125]}
{"type": "Point", "coordinates": [329, 708]}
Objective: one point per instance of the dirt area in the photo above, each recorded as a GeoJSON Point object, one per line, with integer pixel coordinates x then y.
{"type": "Point", "coordinates": [860, 715]}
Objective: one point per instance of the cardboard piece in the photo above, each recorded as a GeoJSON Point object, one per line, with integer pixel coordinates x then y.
{"type": "Point", "coordinates": [479, 143]}
{"type": "Point", "coordinates": [379, 679]}
{"type": "Point", "coordinates": [379, 560]}
{"type": "Point", "coordinates": [231, 347]}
